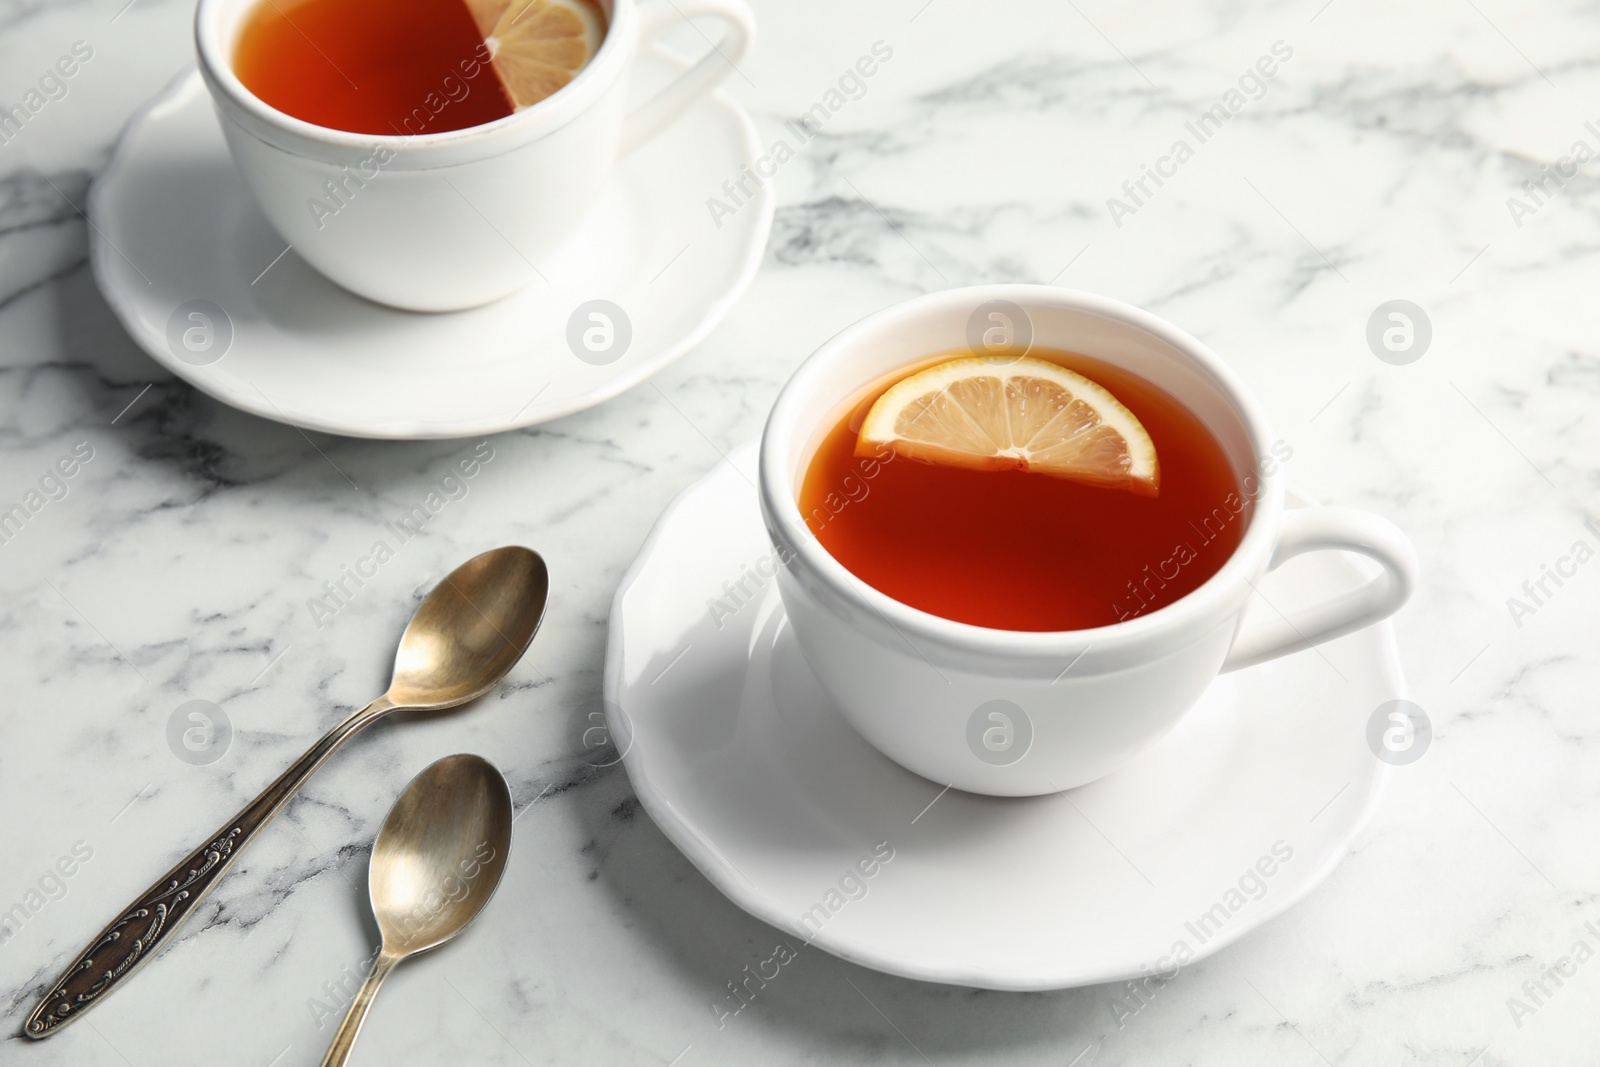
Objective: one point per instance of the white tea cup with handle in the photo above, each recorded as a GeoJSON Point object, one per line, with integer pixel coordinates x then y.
{"type": "Point", "coordinates": [1022, 712]}
{"type": "Point", "coordinates": [459, 218]}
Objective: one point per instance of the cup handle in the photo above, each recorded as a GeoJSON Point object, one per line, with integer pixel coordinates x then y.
{"type": "Point", "coordinates": [659, 112]}
{"type": "Point", "coordinates": [1267, 633]}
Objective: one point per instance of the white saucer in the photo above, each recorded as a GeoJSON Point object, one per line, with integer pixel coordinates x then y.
{"type": "Point", "coordinates": [743, 763]}
{"type": "Point", "coordinates": [174, 223]}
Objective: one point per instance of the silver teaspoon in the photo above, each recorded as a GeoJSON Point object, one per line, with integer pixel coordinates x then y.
{"type": "Point", "coordinates": [435, 864]}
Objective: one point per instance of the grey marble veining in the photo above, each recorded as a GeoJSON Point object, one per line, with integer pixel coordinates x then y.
{"type": "Point", "coordinates": [1379, 163]}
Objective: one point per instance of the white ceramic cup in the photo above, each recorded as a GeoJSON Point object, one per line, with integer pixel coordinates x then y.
{"type": "Point", "coordinates": [1013, 713]}
{"type": "Point", "coordinates": [441, 221]}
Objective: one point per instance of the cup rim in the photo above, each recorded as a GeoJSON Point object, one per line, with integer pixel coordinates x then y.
{"type": "Point", "coordinates": [1195, 610]}
{"type": "Point", "coordinates": [284, 131]}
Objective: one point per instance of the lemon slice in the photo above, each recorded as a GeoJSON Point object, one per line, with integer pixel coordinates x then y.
{"type": "Point", "coordinates": [537, 46]}
{"type": "Point", "coordinates": [1028, 414]}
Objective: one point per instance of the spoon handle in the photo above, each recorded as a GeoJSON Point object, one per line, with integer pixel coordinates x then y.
{"type": "Point", "coordinates": [143, 926]}
{"type": "Point", "coordinates": [345, 1039]}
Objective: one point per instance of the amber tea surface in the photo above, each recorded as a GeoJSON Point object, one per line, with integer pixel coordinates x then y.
{"type": "Point", "coordinates": [1019, 550]}
{"type": "Point", "coordinates": [396, 67]}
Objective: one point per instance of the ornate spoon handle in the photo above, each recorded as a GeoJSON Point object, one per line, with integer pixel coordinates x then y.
{"type": "Point", "coordinates": [143, 926]}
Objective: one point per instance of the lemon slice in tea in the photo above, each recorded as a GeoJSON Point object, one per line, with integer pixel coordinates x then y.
{"type": "Point", "coordinates": [1027, 414]}
{"type": "Point", "coordinates": [538, 46]}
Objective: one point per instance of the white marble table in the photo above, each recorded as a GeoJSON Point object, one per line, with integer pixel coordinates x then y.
{"type": "Point", "coordinates": [1377, 164]}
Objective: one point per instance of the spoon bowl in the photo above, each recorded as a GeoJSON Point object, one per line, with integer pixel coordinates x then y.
{"type": "Point", "coordinates": [440, 853]}
{"type": "Point", "coordinates": [471, 630]}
